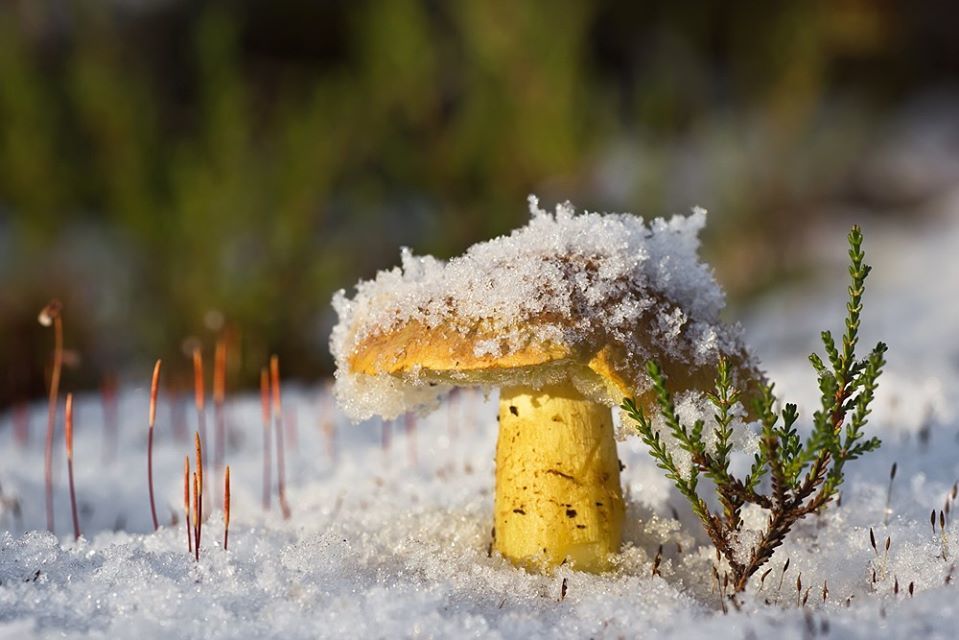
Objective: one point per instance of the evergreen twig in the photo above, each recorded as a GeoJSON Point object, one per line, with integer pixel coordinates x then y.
{"type": "Point", "coordinates": [803, 476]}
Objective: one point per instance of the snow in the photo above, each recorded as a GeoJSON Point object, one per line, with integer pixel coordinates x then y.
{"type": "Point", "coordinates": [564, 279]}
{"type": "Point", "coordinates": [388, 536]}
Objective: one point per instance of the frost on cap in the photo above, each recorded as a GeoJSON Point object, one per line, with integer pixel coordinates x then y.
{"type": "Point", "coordinates": [587, 296]}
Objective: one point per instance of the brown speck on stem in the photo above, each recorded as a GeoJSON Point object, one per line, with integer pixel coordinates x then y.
{"type": "Point", "coordinates": [51, 315]}
{"type": "Point", "coordinates": [657, 561]}
{"type": "Point", "coordinates": [267, 449]}
{"type": "Point", "coordinates": [154, 386]}
{"type": "Point", "coordinates": [226, 508]}
{"type": "Point", "coordinates": [186, 503]}
{"type": "Point", "coordinates": [278, 428]}
{"type": "Point", "coordinates": [68, 437]}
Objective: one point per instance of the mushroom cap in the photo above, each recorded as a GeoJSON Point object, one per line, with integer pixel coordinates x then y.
{"type": "Point", "coordinates": [591, 297]}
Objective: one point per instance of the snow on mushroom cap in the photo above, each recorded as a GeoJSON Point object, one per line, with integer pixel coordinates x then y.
{"type": "Point", "coordinates": [575, 283]}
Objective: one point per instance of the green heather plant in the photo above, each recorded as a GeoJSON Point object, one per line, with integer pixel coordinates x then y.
{"type": "Point", "coordinates": [803, 474]}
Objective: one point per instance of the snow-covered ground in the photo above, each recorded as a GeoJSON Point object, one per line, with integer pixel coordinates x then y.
{"type": "Point", "coordinates": [389, 535]}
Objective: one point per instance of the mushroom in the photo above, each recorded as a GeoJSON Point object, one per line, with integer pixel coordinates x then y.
{"type": "Point", "coordinates": [562, 316]}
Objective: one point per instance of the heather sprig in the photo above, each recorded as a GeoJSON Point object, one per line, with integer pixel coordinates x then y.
{"type": "Point", "coordinates": [801, 475]}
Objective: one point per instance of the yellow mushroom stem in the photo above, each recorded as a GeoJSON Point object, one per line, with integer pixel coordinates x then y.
{"type": "Point", "coordinates": [558, 494]}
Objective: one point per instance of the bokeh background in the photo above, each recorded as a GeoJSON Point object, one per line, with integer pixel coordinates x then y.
{"type": "Point", "coordinates": [176, 169]}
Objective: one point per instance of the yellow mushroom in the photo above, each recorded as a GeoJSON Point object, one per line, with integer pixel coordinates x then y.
{"type": "Point", "coordinates": [561, 362]}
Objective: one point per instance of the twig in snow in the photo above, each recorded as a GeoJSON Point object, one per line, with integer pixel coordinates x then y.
{"type": "Point", "coordinates": [888, 510]}
{"type": "Point", "coordinates": [782, 576]}
{"type": "Point", "coordinates": [154, 387]}
{"type": "Point", "coordinates": [186, 503]}
{"type": "Point", "coordinates": [278, 428]}
{"type": "Point", "coordinates": [219, 398]}
{"type": "Point", "coordinates": [198, 496]}
{"type": "Point", "coordinates": [197, 516]}
{"type": "Point", "coordinates": [944, 538]}
{"type": "Point", "coordinates": [226, 508]}
{"type": "Point", "coordinates": [68, 438]}
{"type": "Point", "coordinates": [199, 393]}
{"type": "Point", "coordinates": [51, 314]}
{"type": "Point", "coordinates": [657, 561]}
{"type": "Point", "coordinates": [267, 452]}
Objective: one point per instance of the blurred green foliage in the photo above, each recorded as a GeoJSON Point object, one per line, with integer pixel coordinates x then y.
{"type": "Point", "coordinates": [157, 163]}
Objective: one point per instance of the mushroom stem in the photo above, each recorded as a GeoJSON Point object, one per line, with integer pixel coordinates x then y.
{"type": "Point", "coordinates": [558, 494]}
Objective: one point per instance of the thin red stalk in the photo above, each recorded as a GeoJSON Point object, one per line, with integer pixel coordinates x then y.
{"type": "Point", "coordinates": [51, 315]}
{"type": "Point", "coordinates": [278, 428]}
{"type": "Point", "coordinates": [226, 508]}
{"type": "Point", "coordinates": [267, 453]}
{"type": "Point", "coordinates": [186, 503]}
{"type": "Point", "coordinates": [219, 396]}
{"type": "Point", "coordinates": [154, 388]}
{"type": "Point", "coordinates": [198, 495]}
{"type": "Point", "coordinates": [68, 437]}
{"type": "Point", "coordinates": [196, 517]}
{"type": "Point", "coordinates": [199, 394]}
